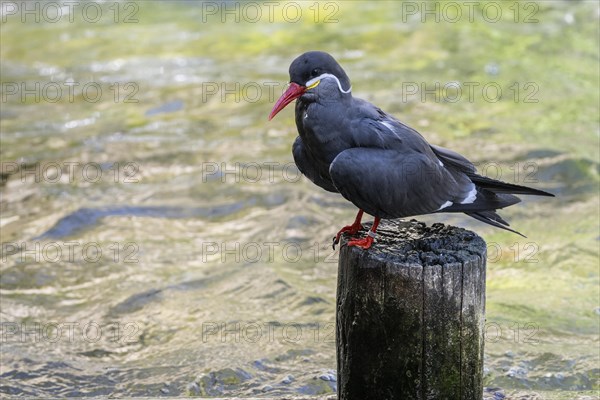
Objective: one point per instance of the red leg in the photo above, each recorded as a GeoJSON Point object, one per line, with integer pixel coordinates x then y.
{"type": "Point", "coordinates": [366, 242]}
{"type": "Point", "coordinates": [351, 229]}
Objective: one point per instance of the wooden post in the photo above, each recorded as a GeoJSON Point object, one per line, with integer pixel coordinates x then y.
{"type": "Point", "coordinates": [410, 314]}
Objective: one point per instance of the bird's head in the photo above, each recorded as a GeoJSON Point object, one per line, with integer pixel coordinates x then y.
{"type": "Point", "coordinates": [307, 72]}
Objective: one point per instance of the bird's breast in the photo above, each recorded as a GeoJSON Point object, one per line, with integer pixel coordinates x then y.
{"type": "Point", "coordinates": [322, 137]}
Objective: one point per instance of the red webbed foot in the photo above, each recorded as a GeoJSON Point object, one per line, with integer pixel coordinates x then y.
{"type": "Point", "coordinates": [366, 242]}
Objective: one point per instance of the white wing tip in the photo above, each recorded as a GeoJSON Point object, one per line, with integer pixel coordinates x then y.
{"type": "Point", "coordinates": [471, 196]}
{"type": "Point", "coordinates": [446, 204]}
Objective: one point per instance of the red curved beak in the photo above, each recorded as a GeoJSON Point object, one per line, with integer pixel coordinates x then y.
{"type": "Point", "coordinates": [293, 92]}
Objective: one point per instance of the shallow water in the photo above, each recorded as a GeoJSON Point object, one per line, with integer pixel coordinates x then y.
{"type": "Point", "coordinates": [157, 239]}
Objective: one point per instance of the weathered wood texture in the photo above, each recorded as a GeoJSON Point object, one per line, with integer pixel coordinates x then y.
{"type": "Point", "coordinates": [410, 314]}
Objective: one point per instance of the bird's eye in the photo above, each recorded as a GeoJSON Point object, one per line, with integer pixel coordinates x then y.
{"type": "Point", "coordinates": [315, 72]}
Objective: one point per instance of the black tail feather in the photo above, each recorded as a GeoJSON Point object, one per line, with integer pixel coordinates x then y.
{"type": "Point", "coordinates": [503, 187]}
{"type": "Point", "coordinates": [491, 193]}
{"type": "Point", "coordinates": [496, 195]}
{"type": "Point", "coordinates": [490, 217]}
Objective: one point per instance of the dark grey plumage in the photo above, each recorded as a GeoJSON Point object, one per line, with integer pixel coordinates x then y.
{"type": "Point", "coordinates": [382, 166]}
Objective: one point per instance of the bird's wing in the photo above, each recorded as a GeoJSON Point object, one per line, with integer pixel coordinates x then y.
{"type": "Point", "coordinates": [307, 165]}
{"type": "Point", "coordinates": [391, 183]}
{"type": "Point", "coordinates": [453, 159]}
{"type": "Point", "coordinates": [372, 127]}
{"type": "Point", "coordinates": [393, 172]}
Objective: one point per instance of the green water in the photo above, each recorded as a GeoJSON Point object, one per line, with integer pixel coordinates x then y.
{"type": "Point", "coordinates": [142, 253]}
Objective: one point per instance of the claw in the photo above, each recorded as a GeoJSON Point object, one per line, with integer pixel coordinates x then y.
{"type": "Point", "coordinates": [351, 229]}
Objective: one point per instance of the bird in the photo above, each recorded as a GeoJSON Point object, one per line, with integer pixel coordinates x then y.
{"type": "Point", "coordinates": [385, 168]}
